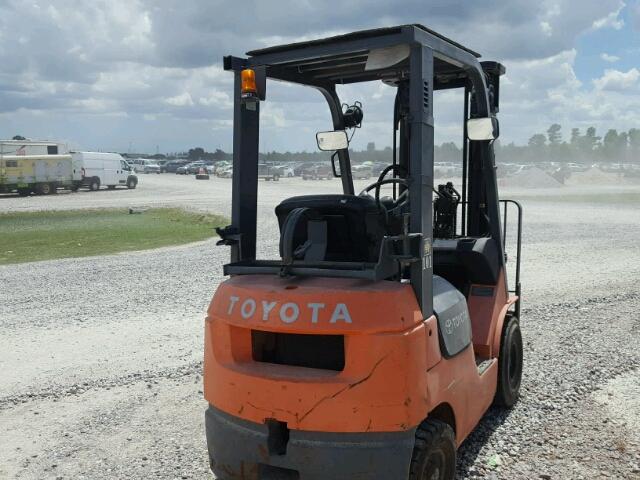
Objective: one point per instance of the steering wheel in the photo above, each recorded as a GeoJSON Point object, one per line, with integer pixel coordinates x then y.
{"type": "Point", "coordinates": [399, 203]}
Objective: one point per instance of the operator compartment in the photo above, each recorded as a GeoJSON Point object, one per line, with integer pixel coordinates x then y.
{"type": "Point", "coordinates": [337, 228]}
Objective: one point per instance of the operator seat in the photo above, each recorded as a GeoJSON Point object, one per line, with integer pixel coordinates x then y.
{"type": "Point", "coordinates": [350, 227]}
{"type": "Point", "coordinates": [466, 260]}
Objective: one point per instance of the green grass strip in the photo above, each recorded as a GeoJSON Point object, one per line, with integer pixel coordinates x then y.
{"type": "Point", "coordinates": [33, 236]}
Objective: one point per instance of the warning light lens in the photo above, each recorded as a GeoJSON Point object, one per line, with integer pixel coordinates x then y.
{"type": "Point", "coordinates": [249, 81]}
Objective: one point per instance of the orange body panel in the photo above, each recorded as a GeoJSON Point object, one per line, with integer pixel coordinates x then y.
{"type": "Point", "coordinates": [485, 312]}
{"type": "Point", "coordinates": [394, 372]}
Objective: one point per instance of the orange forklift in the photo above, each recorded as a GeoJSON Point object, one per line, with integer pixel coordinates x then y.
{"type": "Point", "coordinates": [376, 343]}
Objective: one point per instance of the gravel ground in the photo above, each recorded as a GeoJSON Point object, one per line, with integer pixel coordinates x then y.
{"type": "Point", "coordinates": [101, 356]}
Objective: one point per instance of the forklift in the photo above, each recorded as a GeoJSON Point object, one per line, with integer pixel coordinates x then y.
{"type": "Point", "coordinates": [377, 341]}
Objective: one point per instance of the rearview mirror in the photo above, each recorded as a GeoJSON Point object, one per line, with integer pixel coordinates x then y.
{"type": "Point", "coordinates": [331, 141]}
{"type": "Point", "coordinates": [480, 129]}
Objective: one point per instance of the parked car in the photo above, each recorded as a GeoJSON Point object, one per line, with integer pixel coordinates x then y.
{"type": "Point", "coordinates": [225, 172]}
{"type": "Point", "coordinates": [94, 169]}
{"type": "Point", "coordinates": [361, 172]}
{"type": "Point", "coordinates": [317, 172]}
{"type": "Point", "coordinates": [195, 167]}
{"type": "Point", "coordinates": [149, 166]}
{"type": "Point", "coordinates": [377, 168]}
{"type": "Point", "coordinates": [172, 165]}
{"type": "Point", "coordinates": [268, 172]}
{"type": "Point", "coordinates": [218, 166]}
{"type": "Point", "coordinates": [136, 164]}
{"type": "Point", "coordinates": [285, 171]}
{"type": "Point", "coordinates": [299, 168]}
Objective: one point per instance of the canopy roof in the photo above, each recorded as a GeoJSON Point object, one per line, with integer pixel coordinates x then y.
{"type": "Point", "coordinates": [376, 54]}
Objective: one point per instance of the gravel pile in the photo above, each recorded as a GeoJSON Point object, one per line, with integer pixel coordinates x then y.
{"type": "Point", "coordinates": [530, 178]}
{"type": "Point", "coordinates": [594, 176]}
{"type": "Point", "coordinates": [101, 357]}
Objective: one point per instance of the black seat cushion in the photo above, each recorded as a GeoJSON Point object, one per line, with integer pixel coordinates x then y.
{"type": "Point", "coordinates": [466, 260]}
{"type": "Point", "coordinates": [355, 225]}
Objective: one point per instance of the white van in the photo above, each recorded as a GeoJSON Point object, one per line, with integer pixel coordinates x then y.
{"type": "Point", "coordinates": [94, 169]}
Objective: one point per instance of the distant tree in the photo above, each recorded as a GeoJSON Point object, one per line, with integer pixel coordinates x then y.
{"type": "Point", "coordinates": [18, 137]}
{"type": "Point", "coordinates": [611, 144]}
{"type": "Point", "coordinates": [371, 147]}
{"type": "Point", "coordinates": [196, 153]}
{"type": "Point", "coordinates": [220, 155]}
{"type": "Point", "coordinates": [634, 142]}
{"type": "Point", "coordinates": [575, 136]}
{"type": "Point", "coordinates": [590, 141]}
{"type": "Point", "coordinates": [538, 141]}
{"type": "Point", "coordinates": [554, 134]}
{"type": "Point", "coordinates": [623, 146]}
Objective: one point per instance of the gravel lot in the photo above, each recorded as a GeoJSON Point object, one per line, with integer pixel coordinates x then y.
{"type": "Point", "coordinates": [101, 356]}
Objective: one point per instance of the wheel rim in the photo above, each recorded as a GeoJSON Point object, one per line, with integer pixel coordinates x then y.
{"type": "Point", "coordinates": [435, 468]}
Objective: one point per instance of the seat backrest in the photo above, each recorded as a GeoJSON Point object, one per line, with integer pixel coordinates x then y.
{"type": "Point", "coordinates": [355, 225]}
{"type": "Point", "coordinates": [466, 260]}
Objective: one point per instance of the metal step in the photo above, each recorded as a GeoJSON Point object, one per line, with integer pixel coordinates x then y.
{"type": "Point", "coordinates": [483, 364]}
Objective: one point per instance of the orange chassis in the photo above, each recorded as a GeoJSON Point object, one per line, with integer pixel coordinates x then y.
{"type": "Point", "coordinates": [394, 374]}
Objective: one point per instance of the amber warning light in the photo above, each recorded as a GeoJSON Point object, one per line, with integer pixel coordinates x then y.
{"type": "Point", "coordinates": [249, 90]}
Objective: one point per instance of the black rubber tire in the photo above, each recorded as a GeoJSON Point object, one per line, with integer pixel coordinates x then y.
{"type": "Point", "coordinates": [44, 188]}
{"type": "Point", "coordinates": [510, 364]}
{"type": "Point", "coordinates": [95, 184]}
{"type": "Point", "coordinates": [434, 453]}
{"type": "Point", "coordinates": [276, 177]}
{"type": "Point", "coordinates": [131, 184]}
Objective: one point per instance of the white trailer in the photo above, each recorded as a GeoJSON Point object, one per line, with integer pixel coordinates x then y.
{"type": "Point", "coordinates": [94, 169]}
{"type": "Point", "coordinates": [29, 166]}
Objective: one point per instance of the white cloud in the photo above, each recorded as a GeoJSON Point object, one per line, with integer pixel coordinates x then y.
{"type": "Point", "coordinates": [160, 61]}
{"type": "Point", "coordinates": [609, 58]}
{"type": "Point", "coordinates": [217, 99]}
{"type": "Point", "coordinates": [612, 20]}
{"type": "Point", "coordinates": [615, 80]}
{"type": "Point", "coordinates": [546, 28]}
{"type": "Point", "coordinates": [181, 100]}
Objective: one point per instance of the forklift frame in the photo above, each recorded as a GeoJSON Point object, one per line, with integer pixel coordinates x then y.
{"type": "Point", "coordinates": [434, 63]}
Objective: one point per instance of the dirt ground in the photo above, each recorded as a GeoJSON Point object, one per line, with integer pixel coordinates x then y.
{"type": "Point", "coordinates": [100, 365]}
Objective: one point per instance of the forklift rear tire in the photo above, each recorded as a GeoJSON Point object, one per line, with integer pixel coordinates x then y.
{"type": "Point", "coordinates": [509, 364]}
{"type": "Point", "coordinates": [434, 453]}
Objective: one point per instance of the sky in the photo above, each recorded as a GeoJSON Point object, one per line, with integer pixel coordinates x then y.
{"type": "Point", "coordinates": [146, 75]}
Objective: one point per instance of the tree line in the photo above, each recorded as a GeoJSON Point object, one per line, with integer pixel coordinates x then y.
{"type": "Point", "coordinates": [613, 147]}
{"type": "Point", "coordinates": [579, 147]}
